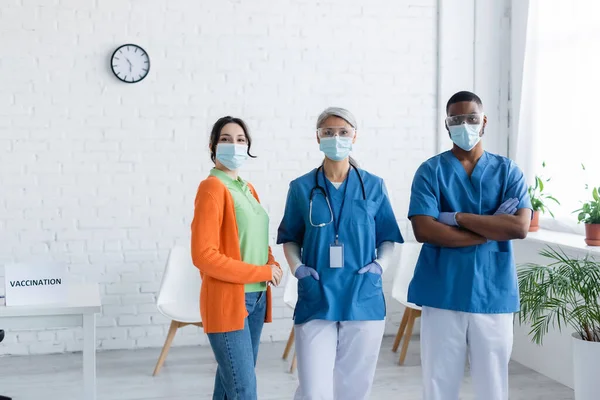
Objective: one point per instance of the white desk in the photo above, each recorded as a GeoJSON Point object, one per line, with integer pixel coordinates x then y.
{"type": "Point", "coordinates": [80, 310]}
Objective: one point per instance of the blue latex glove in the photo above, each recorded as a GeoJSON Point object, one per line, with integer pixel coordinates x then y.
{"type": "Point", "coordinates": [373, 268]}
{"type": "Point", "coordinates": [303, 271]}
{"type": "Point", "coordinates": [508, 207]}
{"type": "Point", "coordinates": [448, 218]}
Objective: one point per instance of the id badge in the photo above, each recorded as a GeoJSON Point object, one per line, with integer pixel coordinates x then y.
{"type": "Point", "coordinates": [336, 255]}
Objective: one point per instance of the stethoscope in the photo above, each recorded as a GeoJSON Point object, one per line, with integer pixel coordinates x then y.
{"type": "Point", "coordinates": [320, 189]}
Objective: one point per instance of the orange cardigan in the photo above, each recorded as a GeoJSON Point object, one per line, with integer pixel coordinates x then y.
{"type": "Point", "coordinates": [216, 253]}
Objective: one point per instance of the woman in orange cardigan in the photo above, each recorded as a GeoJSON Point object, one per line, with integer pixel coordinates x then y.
{"type": "Point", "coordinates": [230, 234]}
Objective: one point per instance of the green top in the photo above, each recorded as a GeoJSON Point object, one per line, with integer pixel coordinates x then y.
{"type": "Point", "coordinates": [252, 223]}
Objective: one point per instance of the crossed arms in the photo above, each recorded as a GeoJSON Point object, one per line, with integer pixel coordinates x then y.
{"type": "Point", "coordinates": [473, 229]}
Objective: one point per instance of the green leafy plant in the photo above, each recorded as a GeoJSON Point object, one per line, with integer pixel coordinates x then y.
{"type": "Point", "coordinates": [589, 212]}
{"type": "Point", "coordinates": [566, 292]}
{"type": "Point", "coordinates": [539, 199]}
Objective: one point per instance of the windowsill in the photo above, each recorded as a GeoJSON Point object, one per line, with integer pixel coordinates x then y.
{"type": "Point", "coordinates": [566, 240]}
{"type": "Point", "coordinates": [569, 241]}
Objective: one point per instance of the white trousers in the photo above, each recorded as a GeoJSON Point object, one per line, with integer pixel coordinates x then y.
{"type": "Point", "coordinates": [446, 339]}
{"type": "Point", "coordinates": [337, 360]}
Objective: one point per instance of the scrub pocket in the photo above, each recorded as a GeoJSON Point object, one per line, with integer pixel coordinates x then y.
{"type": "Point", "coordinates": [369, 298]}
{"type": "Point", "coordinates": [369, 287]}
{"type": "Point", "coordinates": [363, 212]}
{"type": "Point", "coordinates": [503, 277]}
{"type": "Point", "coordinates": [309, 291]}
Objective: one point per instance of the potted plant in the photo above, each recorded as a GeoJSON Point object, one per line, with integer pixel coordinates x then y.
{"type": "Point", "coordinates": [589, 213]}
{"type": "Point", "coordinates": [539, 201]}
{"type": "Point", "coordinates": [566, 292]}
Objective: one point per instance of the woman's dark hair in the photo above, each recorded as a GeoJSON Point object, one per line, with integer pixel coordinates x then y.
{"type": "Point", "coordinates": [216, 133]}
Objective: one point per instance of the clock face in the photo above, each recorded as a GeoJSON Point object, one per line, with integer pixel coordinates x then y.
{"type": "Point", "coordinates": [130, 63]}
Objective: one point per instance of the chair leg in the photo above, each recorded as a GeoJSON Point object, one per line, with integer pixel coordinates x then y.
{"type": "Point", "coordinates": [407, 312]}
{"type": "Point", "coordinates": [165, 350]}
{"type": "Point", "coordinates": [407, 335]}
{"type": "Point", "coordinates": [294, 362]}
{"type": "Point", "coordinates": [288, 346]}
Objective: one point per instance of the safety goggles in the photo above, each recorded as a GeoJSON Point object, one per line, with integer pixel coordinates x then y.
{"type": "Point", "coordinates": [470, 119]}
{"type": "Point", "coordinates": [332, 131]}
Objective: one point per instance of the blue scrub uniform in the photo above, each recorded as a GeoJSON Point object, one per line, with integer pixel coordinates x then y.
{"type": "Point", "coordinates": [341, 294]}
{"type": "Point", "coordinates": [476, 279]}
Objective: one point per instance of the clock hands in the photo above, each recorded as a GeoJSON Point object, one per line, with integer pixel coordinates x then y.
{"type": "Point", "coordinates": [142, 63]}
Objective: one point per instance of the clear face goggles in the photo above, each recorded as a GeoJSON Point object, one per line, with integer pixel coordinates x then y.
{"type": "Point", "coordinates": [469, 119]}
{"type": "Point", "coordinates": [341, 131]}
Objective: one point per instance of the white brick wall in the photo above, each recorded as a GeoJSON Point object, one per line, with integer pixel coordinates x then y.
{"type": "Point", "coordinates": [101, 175]}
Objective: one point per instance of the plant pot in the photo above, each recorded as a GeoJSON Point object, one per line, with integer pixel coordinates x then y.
{"type": "Point", "coordinates": [586, 364]}
{"type": "Point", "coordinates": [534, 226]}
{"type": "Point", "coordinates": [592, 234]}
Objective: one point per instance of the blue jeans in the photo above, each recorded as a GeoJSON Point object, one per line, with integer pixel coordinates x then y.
{"type": "Point", "coordinates": [236, 353]}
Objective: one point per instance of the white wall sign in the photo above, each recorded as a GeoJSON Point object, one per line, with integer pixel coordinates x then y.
{"type": "Point", "coordinates": [35, 283]}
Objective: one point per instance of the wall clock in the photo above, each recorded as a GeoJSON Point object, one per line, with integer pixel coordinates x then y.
{"type": "Point", "coordinates": [130, 63]}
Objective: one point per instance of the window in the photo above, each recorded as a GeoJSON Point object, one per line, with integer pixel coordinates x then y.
{"type": "Point", "coordinates": [563, 52]}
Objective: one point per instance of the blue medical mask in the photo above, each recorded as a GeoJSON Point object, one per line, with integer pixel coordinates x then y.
{"type": "Point", "coordinates": [336, 148]}
{"type": "Point", "coordinates": [465, 136]}
{"type": "Point", "coordinates": [232, 155]}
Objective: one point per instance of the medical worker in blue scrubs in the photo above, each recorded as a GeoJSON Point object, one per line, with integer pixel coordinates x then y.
{"type": "Point", "coordinates": [338, 236]}
{"type": "Point", "coordinates": [466, 206]}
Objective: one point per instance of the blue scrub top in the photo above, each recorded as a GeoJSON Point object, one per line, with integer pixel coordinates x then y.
{"type": "Point", "coordinates": [475, 279]}
{"type": "Point", "coordinates": [341, 294]}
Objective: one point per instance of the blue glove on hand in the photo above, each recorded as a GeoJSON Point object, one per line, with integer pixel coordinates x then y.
{"type": "Point", "coordinates": [448, 218]}
{"type": "Point", "coordinates": [373, 268]}
{"type": "Point", "coordinates": [303, 271]}
{"type": "Point", "coordinates": [508, 207]}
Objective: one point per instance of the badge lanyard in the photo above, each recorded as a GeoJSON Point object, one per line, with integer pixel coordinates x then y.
{"type": "Point", "coordinates": [336, 249]}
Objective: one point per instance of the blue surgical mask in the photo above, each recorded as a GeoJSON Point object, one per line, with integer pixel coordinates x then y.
{"type": "Point", "coordinates": [465, 136]}
{"type": "Point", "coordinates": [232, 155]}
{"type": "Point", "coordinates": [336, 148]}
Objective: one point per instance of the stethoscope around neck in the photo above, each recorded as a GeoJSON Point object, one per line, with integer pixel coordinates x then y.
{"type": "Point", "coordinates": [319, 188]}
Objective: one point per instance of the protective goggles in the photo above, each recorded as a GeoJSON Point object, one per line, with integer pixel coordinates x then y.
{"type": "Point", "coordinates": [330, 132]}
{"type": "Point", "coordinates": [469, 119]}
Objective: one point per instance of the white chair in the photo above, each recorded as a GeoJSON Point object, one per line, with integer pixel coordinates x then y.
{"type": "Point", "coordinates": [290, 297]}
{"type": "Point", "coordinates": [179, 296]}
{"type": "Point", "coordinates": [409, 255]}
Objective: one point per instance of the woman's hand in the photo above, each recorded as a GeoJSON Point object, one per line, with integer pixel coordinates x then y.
{"type": "Point", "coordinates": [277, 274]}
{"type": "Point", "coordinates": [303, 271]}
{"type": "Point", "coordinates": [373, 268]}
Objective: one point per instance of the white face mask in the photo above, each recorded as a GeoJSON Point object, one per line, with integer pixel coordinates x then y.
{"type": "Point", "coordinates": [465, 136]}
{"type": "Point", "coordinates": [232, 155]}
